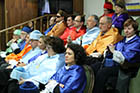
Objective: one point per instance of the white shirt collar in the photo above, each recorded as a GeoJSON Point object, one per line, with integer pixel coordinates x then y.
{"type": "Point", "coordinates": [127, 39]}
{"type": "Point", "coordinates": [60, 22]}
{"type": "Point", "coordinates": [43, 51]}
{"type": "Point", "coordinates": [91, 29]}
{"type": "Point", "coordinates": [67, 67]}
{"type": "Point", "coordinates": [78, 29]}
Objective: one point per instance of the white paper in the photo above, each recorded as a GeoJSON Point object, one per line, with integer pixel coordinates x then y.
{"type": "Point", "coordinates": [14, 46]}
{"type": "Point", "coordinates": [3, 54]}
{"type": "Point", "coordinates": [118, 57]}
{"type": "Point", "coordinates": [98, 55]}
{"type": "Point", "coordinates": [13, 63]}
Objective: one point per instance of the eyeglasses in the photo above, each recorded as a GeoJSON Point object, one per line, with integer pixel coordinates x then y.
{"type": "Point", "coordinates": [31, 40]}
{"type": "Point", "coordinates": [58, 16]}
{"type": "Point", "coordinates": [23, 33]}
{"type": "Point", "coordinates": [102, 23]}
{"type": "Point", "coordinates": [77, 21]}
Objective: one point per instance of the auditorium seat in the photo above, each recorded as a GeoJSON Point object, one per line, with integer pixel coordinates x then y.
{"type": "Point", "coordinates": [134, 86]}
{"type": "Point", "coordinates": [90, 79]}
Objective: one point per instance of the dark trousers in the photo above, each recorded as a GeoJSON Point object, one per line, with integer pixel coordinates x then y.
{"type": "Point", "coordinates": [12, 87]}
{"type": "Point", "coordinates": [4, 77]}
{"type": "Point", "coordinates": [2, 60]}
{"type": "Point", "coordinates": [102, 75]}
{"type": "Point", "coordinates": [123, 82]}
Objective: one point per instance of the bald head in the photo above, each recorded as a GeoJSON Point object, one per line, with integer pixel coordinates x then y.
{"type": "Point", "coordinates": [105, 23]}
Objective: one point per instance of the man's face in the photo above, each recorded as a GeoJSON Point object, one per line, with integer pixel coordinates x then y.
{"type": "Point", "coordinates": [34, 43]}
{"type": "Point", "coordinates": [104, 25]}
{"type": "Point", "coordinates": [27, 38]}
{"type": "Point", "coordinates": [59, 17]}
{"type": "Point", "coordinates": [16, 37]}
{"type": "Point", "coordinates": [69, 22]}
{"type": "Point", "coordinates": [23, 35]}
{"type": "Point", "coordinates": [52, 21]}
{"type": "Point", "coordinates": [41, 44]}
{"type": "Point", "coordinates": [77, 21]}
{"type": "Point", "coordinates": [90, 22]}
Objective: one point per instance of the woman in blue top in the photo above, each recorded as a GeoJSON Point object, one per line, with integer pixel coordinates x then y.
{"type": "Point", "coordinates": [126, 53]}
{"type": "Point", "coordinates": [70, 78]}
{"type": "Point", "coordinates": [120, 16]}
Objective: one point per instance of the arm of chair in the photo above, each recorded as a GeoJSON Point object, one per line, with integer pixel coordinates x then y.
{"type": "Point", "coordinates": [90, 79]}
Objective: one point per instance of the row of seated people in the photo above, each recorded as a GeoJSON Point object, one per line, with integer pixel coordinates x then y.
{"type": "Point", "coordinates": [108, 36]}
{"type": "Point", "coordinates": [77, 29]}
{"type": "Point", "coordinates": [38, 68]}
{"type": "Point", "coordinates": [18, 42]}
{"type": "Point", "coordinates": [71, 28]}
{"type": "Point", "coordinates": [119, 15]}
{"type": "Point", "coordinates": [121, 59]}
{"type": "Point", "coordinates": [45, 66]}
{"type": "Point", "coordinates": [28, 54]}
{"type": "Point", "coordinates": [74, 28]}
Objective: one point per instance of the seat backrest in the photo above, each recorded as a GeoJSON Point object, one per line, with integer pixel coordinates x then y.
{"type": "Point", "coordinates": [138, 20]}
{"type": "Point", "coordinates": [90, 79]}
{"type": "Point", "coordinates": [134, 86]}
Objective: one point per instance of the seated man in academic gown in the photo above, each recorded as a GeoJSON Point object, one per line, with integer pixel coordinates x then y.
{"type": "Point", "coordinates": [5, 73]}
{"type": "Point", "coordinates": [60, 26]}
{"type": "Point", "coordinates": [92, 32]}
{"type": "Point", "coordinates": [107, 35]}
{"type": "Point", "coordinates": [41, 70]}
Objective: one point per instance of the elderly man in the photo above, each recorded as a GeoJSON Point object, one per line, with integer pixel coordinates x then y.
{"type": "Point", "coordinates": [16, 39]}
{"type": "Point", "coordinates": [18, 56]}
{"type": "Point", "coordinates": [91, 32]}
{"type": "Point", "coordinates": [107, 36]}
{"type": "Point", "coordinates": [25, 30]}
{"type": "Point", "coordinates": [17, 48]}
{"type": "Point", "coordinates": [34, 39]}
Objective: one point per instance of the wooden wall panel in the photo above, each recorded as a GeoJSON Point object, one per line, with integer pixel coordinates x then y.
{"type": "Point", "coordinates": [78, 6]}
{"type": "Point", "coordinates": [1, 14]}
{"type": "Point", "coordinates": [2, 36]}
{"type": "Point", "coordinates": [19, 11]}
